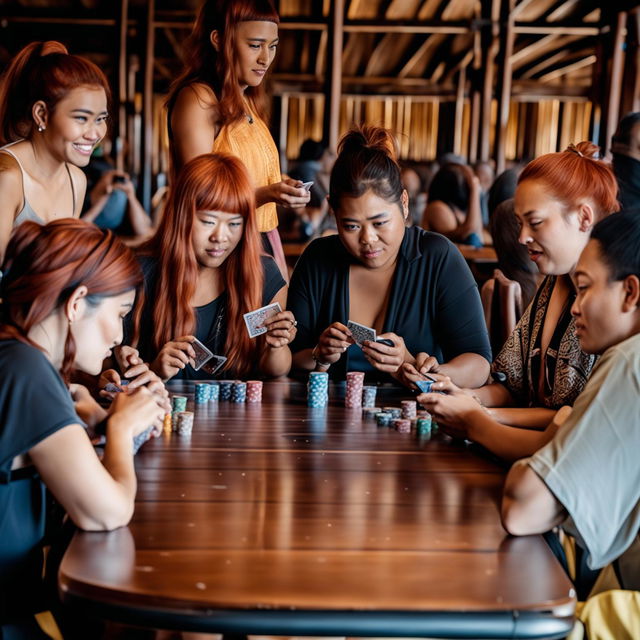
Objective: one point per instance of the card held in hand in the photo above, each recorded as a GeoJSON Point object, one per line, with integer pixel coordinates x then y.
{"type": "Point", "coordinates": [255, 319]}
{"type": "Point", "coordinates": [213, 364]}
{"type": "Point", "coordinates": [202, 354]}
{"type": "Point", "coordinates": [360, 332]}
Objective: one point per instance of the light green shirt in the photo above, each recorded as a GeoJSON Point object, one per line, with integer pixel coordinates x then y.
{"type": "Point", "coordinates": [592, 465]}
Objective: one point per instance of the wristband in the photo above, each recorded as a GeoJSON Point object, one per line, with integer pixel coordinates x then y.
{"type": "Point", "coordinates": [317, 360]}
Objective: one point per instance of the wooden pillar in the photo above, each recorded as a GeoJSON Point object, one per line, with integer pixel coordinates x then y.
{"type": "Point", "coordinates": [147, 109]}
{"type": "Point", "coordinates": [504, 80]}
{"type": "Point", "coordinates": [122, 95]}
{"type": "Point", "coordinates": [459, 116]}
{"type": "Point", "coordinates": [334, 75]}
{"type": "Point", "coordinates": [474, 125]}
{"type": "Point", "coordinates": [615, 86]}
{"type": "Point", "coordinates": [490, 46]}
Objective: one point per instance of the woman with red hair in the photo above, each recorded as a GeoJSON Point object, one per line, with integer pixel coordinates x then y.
{"type": "Point", "coordinates": [217, 104]}
{"type": "Point", "coordinates": [66, 288]}
{"type": "Point", "coordinates": [541, 367]}
{"type": "Point", "coordinates": [203, 271]}
{"type": "Point", "coordinates": [53, 113]}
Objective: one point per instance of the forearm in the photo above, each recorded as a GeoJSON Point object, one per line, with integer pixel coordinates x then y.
{"type": "Point", "coordinates": [466, 370]}
{"type": "Point", "coordinates": [118, 458]}
{"type": "Point", "coordinates": [494, 395]}
{"type": "Point", "coordinates": [507, 442]}
{"type": "Point", "coordinates": [263, 196]}
{"type": "Point", "coordinates": [275, 362]}
{"type": "Point", "coordinates": [530, 417]}
{"type": "Point", "coordinates": [140, 221]}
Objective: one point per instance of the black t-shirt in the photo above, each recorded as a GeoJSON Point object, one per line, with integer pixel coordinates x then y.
{"type": "Point", "coordinates": [434, 303]}
{"type": "Point", "coordinates": [211, 319]}
{"type": "Point", "coordinates": [34, 404]}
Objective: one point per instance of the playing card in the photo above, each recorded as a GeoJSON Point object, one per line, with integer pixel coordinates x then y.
{"type": "Point", "coordinates": [202, 354]}
{"type": "Point", "coordinates": [307, 185]}
{"type": "Point", "coordinates": [424, 385]}
{"type": "Point", "coordinates": [360, 332]}
{"type": "Point", "coordinates": [213, 364]}
{"type": "Point", "coordinates": [255, 319]}
{"type": "Point", "coordinates": [112, 387]}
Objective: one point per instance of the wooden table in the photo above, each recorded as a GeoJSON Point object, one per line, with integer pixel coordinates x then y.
{"type": "Point", "coordinates": [278, 519]}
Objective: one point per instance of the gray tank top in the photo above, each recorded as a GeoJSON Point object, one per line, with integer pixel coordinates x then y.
{"type": "Point", "coordinates": [27, 212]}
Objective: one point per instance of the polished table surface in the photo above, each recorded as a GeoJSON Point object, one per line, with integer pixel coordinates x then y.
{"type": "Point", "coordinates": [276, 518]}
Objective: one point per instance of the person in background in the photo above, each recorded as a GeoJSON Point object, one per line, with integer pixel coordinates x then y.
{"type": "Point", "coordinates": [417, 198]}
{"type": "Point", "coordinates": [586, 479]}
{"type": "Point", "coordinates": [453, 205]}
{"type": "Point", "coordinates": [486, 175]}
{"type": "Point", "coordinates": [203, 271]}
{"type": "Point", "coordinates": [625, 148]}
{"type": "Point", "coordinates": [217, 104]}
{"type": "Point", "coordinates": [111, 201]}
{"type": "Point", "coordinates": [541, 368]}
{"type": "Point", "coordinates": [66, 287]}
{"type": "Point", "coordinates": [413, 287]}
{"type": "Point", "coordinates": [53, 114]}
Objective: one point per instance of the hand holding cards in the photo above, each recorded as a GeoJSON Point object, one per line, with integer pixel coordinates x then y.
{"type": "Point", "coordinates": [205, 359]}
{"type": "Point", "coordinates": [360, 332]}
{"type": "Point", "coordinates": [255, 319]}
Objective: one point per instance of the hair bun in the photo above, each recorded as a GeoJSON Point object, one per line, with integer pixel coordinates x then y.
{"type": "Point", "coordinates": [371, 138]}
{"type": "Point", "coordinates": [585, 149]}
{"type": "Point", "coordinates": [52, 46]}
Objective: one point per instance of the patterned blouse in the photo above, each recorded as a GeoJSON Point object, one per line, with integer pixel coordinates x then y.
{"type": "Point", "coordinates": [567, 367]}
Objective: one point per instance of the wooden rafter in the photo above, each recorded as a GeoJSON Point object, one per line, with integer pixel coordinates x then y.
{"type": "Point", "coordinates": [558, 73]}
{"type": "Point", "coordinates": [418, 62]}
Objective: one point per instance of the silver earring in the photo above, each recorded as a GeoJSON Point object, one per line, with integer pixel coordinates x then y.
{"type": "Point", "coordinates": [40, 128]}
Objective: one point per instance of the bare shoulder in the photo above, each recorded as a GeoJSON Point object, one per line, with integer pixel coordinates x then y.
{"type": "Point", "coordinates": [196, 97]}
{"type": "Point", "coordinates": [440, 217]}
{"type": "Point", "coordinates": [10, 176]}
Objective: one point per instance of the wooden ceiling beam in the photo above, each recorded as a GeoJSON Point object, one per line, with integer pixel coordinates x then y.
{"type": "Point", "coordinates": [415, 27]}
{"type": "Point", "coordinates": [539, 48]}
{"type": "Point", "coordinates": [558, 73]}
{"type": "Point", "coordinates": [547, 62]}
{"type": "Point", "coordinates": [417, 63]}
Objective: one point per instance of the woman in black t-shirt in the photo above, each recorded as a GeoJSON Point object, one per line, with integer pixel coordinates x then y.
{"type": "Point", "coordinates": [203, 272]}
{"type": "Point", "coordinates": [66, 288]}
{"type": "Point", "coordinates": [413, 287]}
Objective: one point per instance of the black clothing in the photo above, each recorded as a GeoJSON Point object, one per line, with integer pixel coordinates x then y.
{"type": "Point", "coordinates": [211, 321]}
{"type": "Point", "coordinates": [34, 404]}
{"type": "Point", "coordinates": [434, 303]}
{"type": "Point", "coordinates": [627, 171]}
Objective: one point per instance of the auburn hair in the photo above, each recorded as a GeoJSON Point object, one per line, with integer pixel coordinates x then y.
{"type": "Point", "coordinates": [41, 71]}
{"type": "Point", "coordinates": [367, 161]}
{"type": "Point", "coordinates": [45, 264]}
{"type": "Point", "coordinates": [210, 182]}
{"type": "Point", "coordinates": [218, 69]}
{"type": "Point", "coordinates": [576, 174]}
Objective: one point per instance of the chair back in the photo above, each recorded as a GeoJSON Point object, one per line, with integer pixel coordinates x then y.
{"type": "Point", "coordinates": [502, 304]}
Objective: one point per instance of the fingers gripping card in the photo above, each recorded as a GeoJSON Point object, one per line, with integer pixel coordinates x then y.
{"type": "Point", "coordinates": [202, 354]}
{"type": "Point", "coordinates": [360, 332]}
{"type": "Point", "coordinates": [256, 319]}
{"type": "Point", "coordinates": [213, 364]}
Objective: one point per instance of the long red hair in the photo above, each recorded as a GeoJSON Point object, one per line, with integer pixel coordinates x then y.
{"type": "Point", "coordinates": [210, 182]}
{"type": "Point", "coordinates": [41, 71]}
{"type": "Point", "coordinates": [575, 174]}
{"type": "Point", "coordinates": [45, 264]}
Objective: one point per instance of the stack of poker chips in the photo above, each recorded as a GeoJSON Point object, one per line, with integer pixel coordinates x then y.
{"type": "Point", "coordinates": [369, 396]}
{"type": "Point", "coordinates": [394, 412]}
{"type": "Point", "coordinates": [403, 425]}
{"type": "Point", "coordinates": [423, 425]}
{"type": "Point", "coordinates": [318, 389]}
{"type": "Point", "coordinates": [184, 422]}
{"type": "Point", "coordinates": [254, 391]}
{"type": "Point", "coordinates": [369, 413]}
{"type": "Point", "coordinates": [409, 409]}
{"type": "Point", "coordinates": [167, 425]}
{"type": "Point", "coordinates": [203, 392]}
{"type": "Point", "coordinates": [225, 390]}
{"type": "Point", "coordinates": [214, 392]}
{"type": "Point", "coordinates": [383, 419]}
{"type": "Point", "coordinates": [178, 404]}
{"type": "Point", "coordinates": [353, 395]}
{"type": "Point", "coordinates": [239, 392]}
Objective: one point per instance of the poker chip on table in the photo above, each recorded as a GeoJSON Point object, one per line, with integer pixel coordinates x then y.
{"type": "Point", "coordinates": [423, 425]}
{"type": "Point", "coordinates": [225, 390]}
{"type": "Point", "coordinates": [202, 392]}
{"type": "Point", "coordinates": [383, 419]}
{"type": "Point", "coordinates": [184, 422]}
{"type": "Point", "coordinates": [239, 392]}
{"type": "Point", "coordinates": [409, 409]}
{"type": "Point", "coordinates": [254, 391]}
{"type": "Point", "coordinates": [353, 394]}
{"type": "Point", "coordinates": [318, 389]}
{"type": "Point", "coordinates": [369, 396]}
{"type": "Point", "coordinates": [402, 425]}
{"type": "Point", "coordinates": [214, 392]}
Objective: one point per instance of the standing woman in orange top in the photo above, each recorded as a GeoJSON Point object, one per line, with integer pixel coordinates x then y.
{"type": "Point", "coordinates": [217, 103]}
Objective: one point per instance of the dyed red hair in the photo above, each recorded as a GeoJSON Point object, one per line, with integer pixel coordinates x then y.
{"type": "Point", "coordinates": [210, 182]}
{"type": "Point", "coordinates": [218, 69]}
{"type": "Point", "coordinates": [576, 174]}
{"type": "Point", "coordinates": [45, 264]}
{"type": "Point", "coordinates": [41, 71]}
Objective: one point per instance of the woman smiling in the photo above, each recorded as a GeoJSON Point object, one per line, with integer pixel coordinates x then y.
{"type": "Point", "coordinates": [413, 287]}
